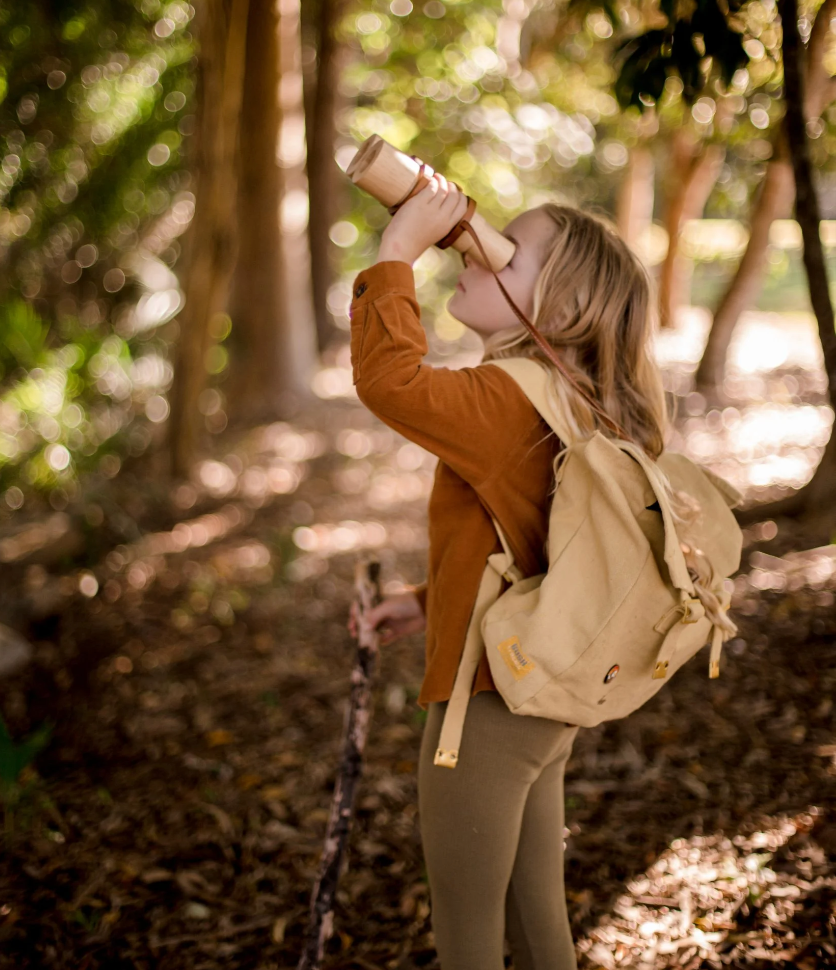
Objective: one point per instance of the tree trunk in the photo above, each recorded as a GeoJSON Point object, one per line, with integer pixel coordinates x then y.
{"type": "Point", "coordinates": [634, 208]}
{"type": "Point", "coordinates": [273, 331]}
{"type": "Point", "coordinates": [774, 202]}
{"type": "Point", "coordinates": [210, 251]}
{"type": "Point", "coordinates": [695, 167]}
{"type": "Point", "coordinates": [808, 216]}
{"type": "Point", "coordinates": [327, 184]}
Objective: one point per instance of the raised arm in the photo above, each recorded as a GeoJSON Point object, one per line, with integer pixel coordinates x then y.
{"type": "Point", "coordinates": [471, 418]}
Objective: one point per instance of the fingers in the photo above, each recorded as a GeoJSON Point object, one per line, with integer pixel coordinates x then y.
{"type": "Point", "coordinates": [433, 192]}
{"type": "Point", "coordinates": [439, 193]}
{"type": "Point", "coordinates": [455, 201]}
{"type": "Point", "coordinates": [439, 187]}
{"type": "Point", "coordinates": [373, 616]}
{"type": "Point", "coordinates": [450, 192]}
{"type": "Point", "coordinates": [396, 617]}
{"type": "Point", "coordinates": [377, 613]}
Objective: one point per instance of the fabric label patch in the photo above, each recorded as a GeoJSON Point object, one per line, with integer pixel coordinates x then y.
{"type": "Point", "coordinates": [512, 654]}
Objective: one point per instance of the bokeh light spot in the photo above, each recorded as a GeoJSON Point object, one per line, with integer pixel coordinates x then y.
{"type": "Point", "coordinates": [158, 154]}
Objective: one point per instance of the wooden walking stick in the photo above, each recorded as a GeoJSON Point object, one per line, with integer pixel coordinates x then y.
{"type": "Point", "coordinates": [321, 920]}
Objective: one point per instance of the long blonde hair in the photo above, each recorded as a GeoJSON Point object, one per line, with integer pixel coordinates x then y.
{"type": "Point", "coordinates": [593, 303]}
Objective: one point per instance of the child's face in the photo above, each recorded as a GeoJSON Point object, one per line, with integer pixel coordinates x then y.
{"type": "Point", "coordinates": [478, 302]}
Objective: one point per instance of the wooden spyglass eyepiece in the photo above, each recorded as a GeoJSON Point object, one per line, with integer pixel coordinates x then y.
{"type": "Point", "coordinates": [389, 175]}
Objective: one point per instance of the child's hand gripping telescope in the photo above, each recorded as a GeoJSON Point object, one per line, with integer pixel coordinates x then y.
{"type": "Point", "coordinates": [392, 177]}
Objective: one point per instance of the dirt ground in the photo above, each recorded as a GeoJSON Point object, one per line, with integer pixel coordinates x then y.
{"type": "Point", "coordinates": [176, 818]}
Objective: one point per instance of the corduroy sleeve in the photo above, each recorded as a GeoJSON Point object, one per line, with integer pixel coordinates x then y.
{"type": "Point", "coordinates": [470, 418]}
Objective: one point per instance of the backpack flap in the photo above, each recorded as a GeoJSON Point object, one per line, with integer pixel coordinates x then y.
{"type": "Point", "coordinates": [730, 494]}
{"type": "Point", "coordinates": [720, 537]}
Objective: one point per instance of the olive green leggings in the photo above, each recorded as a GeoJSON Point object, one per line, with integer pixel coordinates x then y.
{"type": "Point", "coordinates": [492, 831]}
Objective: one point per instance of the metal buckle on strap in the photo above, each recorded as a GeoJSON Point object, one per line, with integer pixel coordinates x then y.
{"type": "Point", "coordinates": [688, 614]}
{"type": "Point", "coordinates": [447, 759]}
{"type": "Point", "coordinates": [512, 575]}
{"type": "Point", "coordinates": [660, 671]}
{"type": "Point", "coordinates": [664, 624]}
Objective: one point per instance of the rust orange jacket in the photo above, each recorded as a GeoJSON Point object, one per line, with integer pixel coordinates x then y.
{"type": "Point", "coordinates": [495, 457]}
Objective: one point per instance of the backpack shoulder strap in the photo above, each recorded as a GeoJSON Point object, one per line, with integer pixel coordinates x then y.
{"type": "Point", "coordinates": [534, 380]}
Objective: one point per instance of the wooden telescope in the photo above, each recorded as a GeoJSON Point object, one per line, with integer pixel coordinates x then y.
{"type": "Point", "coordinates": [389, 175]}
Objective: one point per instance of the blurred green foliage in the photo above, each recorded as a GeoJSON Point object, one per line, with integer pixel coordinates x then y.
{"type": "Point", "coordinates": [95, 104]}
{"type": "Point", "coordinates": [53, 416]}
{"type": "Point", "coordinates": [15, 756]}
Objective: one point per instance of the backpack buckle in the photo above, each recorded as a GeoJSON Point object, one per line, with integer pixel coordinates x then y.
{"type": "Point", "coordinates": [686, 606]}
{"type": "Point", "coordinates": [660, 671]}
{"type": "Point", "coordinates": [446, 759]}
{"type": "Point", "coordinates": [690, 615]}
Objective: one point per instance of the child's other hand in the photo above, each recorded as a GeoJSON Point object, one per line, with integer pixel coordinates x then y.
{"type": "Point", "coordinates": [422, 221]}
{"type": "Point", "coordinates": [397, 616]}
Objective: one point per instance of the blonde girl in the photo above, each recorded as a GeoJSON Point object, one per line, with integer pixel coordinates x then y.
{"type": "Point", "coordinates": [492, 828]}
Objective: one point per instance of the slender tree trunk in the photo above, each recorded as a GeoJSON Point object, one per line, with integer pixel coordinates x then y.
{"type": "Point", "coordinates": [211, 241]}
{"type": "Point", "coordinates": [695, 167]}
{"type": "Point", "coordinates": [808, 216]}
{"type": "Point", "coordinates": [256, 302]}
{"type": "Point", "coordinates": [297, 339]}
{"type": "Point", "coordinates": [634, 208]}
{"type": "Point", "coordinates": [273, 334]}
{"type": "Point", "coordinates": [324, 177]}
{"type": "Point", "coordinates": [774, 202]}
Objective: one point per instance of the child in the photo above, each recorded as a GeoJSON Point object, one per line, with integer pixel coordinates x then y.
{"type": "Point", "coordinates": [492, 828]}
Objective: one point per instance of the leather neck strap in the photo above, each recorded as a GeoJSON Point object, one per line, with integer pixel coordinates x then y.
{"type": "Point", "coordinates": [464, 225]}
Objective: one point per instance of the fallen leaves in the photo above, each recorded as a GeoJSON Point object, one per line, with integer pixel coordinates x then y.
{"type": "Point", "coordinates": [217, 745]}
{"type": "Point", "coordinates": [219, 737]}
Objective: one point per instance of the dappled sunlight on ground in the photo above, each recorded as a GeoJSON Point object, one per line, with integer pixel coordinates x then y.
{"type": "Point", "coordinates": [811, 568]}
{"type": "Point", "coordinates": [685, 908]}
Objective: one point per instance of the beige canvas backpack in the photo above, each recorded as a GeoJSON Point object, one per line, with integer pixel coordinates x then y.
{"type": "Point", "coordinates": [617, 613]}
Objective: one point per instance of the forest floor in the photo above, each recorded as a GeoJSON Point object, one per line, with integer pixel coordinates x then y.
{"type": "Point", "coordinates": [197, 677]}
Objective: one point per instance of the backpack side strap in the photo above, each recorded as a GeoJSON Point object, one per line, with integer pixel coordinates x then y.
{"type": "Point", "coordinates": [674, 557]}
{"type": "Point", "coordinates": [500, 566]}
